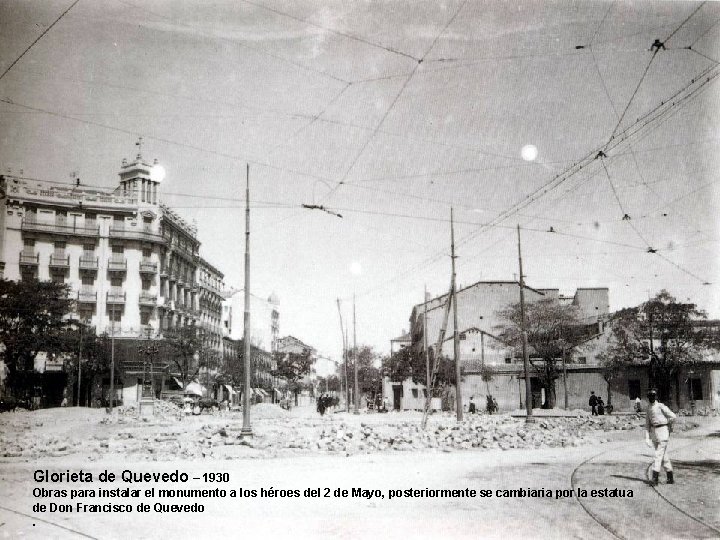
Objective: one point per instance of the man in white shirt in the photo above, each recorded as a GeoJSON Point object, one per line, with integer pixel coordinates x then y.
{"type": "Point", "coordinates": [658, 422]}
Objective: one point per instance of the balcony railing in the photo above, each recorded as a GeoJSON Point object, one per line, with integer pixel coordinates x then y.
{"type": "Point", "coordinates": [137, 233]}
{"type": "Point", "coordinates": [61, 261]}
{"type": "Point", "coordinates": [147, 298]}
{"type": "Point", "coordinates": [117, 264]}
{"type": "Point", "coordinates": [31, 225]}
{"type": "Point", "coordinates": [30, 259]}
{"type": "Point", "coordinates": [115, 296]}
{"type": "Point", "coordinates": [148, 267]}
{"type": "Point", "coordinates": [88, 263]}
{"type": "Point", "coordinates": [87, 295]}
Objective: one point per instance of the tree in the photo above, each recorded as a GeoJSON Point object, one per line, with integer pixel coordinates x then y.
{"type": "Point", "coordinates": [32, 319]}
{"type": "Point", "coordinates": [293, 367]}
{"type": "Point", "coordinates": [369, 377]}
{"type": "Point", "coordinates": [665, 335]}
{"type": "Point", "coordinates": [552, 330]}
{"type": "Point", "coordinates": [410, 363]}
{"type": "Point", "coordinates": [182, 347]}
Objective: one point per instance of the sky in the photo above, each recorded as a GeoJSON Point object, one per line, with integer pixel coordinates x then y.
{"type": "Point", "coordinates": [390, 114]}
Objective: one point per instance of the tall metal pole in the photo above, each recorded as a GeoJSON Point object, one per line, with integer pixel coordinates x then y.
{"type": "Point", "coordinates": [526, 360]}
{"type": "Point", "coordinates": [355, 364]}
{"type": "Point", "coordinates": [112, 358]}
{"type": "Point", "coordinates": [246, 430]}
{"type": "Point", "coordinates": [345, 357]}
{"type": "Point", "coordinates": [80, 362]}
{"type": "Point", "coordinates": [425, 343]}
{"type": "Point", "coordinates": [456, 342]}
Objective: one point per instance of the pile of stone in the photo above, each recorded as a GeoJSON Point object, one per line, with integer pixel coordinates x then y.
{"type": "Point", "coordinates": [161, 408]}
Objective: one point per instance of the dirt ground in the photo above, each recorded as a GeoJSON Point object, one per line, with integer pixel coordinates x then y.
{"type": "Point", "coordinates": [270, 474]}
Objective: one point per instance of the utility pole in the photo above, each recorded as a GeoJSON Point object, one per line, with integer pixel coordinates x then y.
{"type": "Point", "coordinates": [246, 430]}
{"type": "Point", "coordinates": [356, 393]}
{"type": "Point", "coordinates": [425, 342]}
{"type": "Point", "coordinates": [80, 362]}
{"type": "Point", "coordinates": [526, 360]}
{"type": "Point", "coordinates": [456, 342]}
{"type": "Point", "coordinates": [112, 358]}
{"type": "Point", "coordinates": [564, 364]}
{"type": "Point", "coordinates": [344, 341]}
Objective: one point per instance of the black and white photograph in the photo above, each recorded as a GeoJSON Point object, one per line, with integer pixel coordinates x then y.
{"type": "Point", "coordinates": [359, 269]}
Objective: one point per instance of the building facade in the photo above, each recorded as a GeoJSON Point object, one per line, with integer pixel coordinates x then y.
{"type": "Point", "coordinates": [132, 263]}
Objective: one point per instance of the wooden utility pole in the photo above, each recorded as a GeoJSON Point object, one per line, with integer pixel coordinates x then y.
{"type": "Point", "coordinates": [436, 358]}
{"type": "Point", "coordinates": [425, 343]}
{"type": "Point", "coordinates": [526, 360]}
{"type": "Point", "coordinates": [246, 430]}
{"type": "Point", "coordinates": [456, 342]}
{"type": "Point", "coordinates": [356, 393]}
{"type": "Point", "coordinates": [80, 362]}
{"type": "Point", "coordinates": [345, 355]}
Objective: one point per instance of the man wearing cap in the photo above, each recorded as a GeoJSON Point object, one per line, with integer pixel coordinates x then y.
{"type": "Point", "coordinates": [658, 422]}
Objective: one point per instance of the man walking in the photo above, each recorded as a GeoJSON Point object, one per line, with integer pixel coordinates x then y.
{"type": "Point", "coordinates": [658, 422]}
{"type": "Point", "coordinates": [593, 403]}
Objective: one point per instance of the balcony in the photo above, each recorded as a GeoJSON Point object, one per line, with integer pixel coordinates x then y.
{"type": "Point", "coordinates": [148, 267]}
{"type": "Point", "coordinates": [87, 295]}
{"type": "Point", "coordinates": [137, 233]}
{"type": "Point", "coordinates": [62, 229]}
{"type": "Point", "coordinates": [60, 261]}
{"type": "Point", "coordinates": [117, 264]}
{"type": "Point", "coordinates": [148, 299]}
{"type": "Point", "coordinates": [88, 263]}
{"type": "Point", "coordinates": [116, 296]}
{"type": "Point", "coordinates": [29, 259]}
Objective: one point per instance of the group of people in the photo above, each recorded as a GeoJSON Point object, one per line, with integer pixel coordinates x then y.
{"type": "Point", "coordinates": [597, 405]}
{"type": "Point", "coordinates": [325, 401]}
{"type": "Point", "coordinates": [491, 407]}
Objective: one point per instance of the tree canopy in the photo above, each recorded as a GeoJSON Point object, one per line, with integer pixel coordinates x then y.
{"type": "Point", "coordinates": [32, 319]}
{"type": "Point", "coordinates": [552, 329]}
{"type": "Point", "coordinates": [663, 333]}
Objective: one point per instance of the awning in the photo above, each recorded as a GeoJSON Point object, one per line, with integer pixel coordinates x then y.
{"type": "Point", "coordinates": [263, 392]}
{"type": "Point", "coordinates": [178, 382]}
{"type": "Point", "coordinates": [230, 389]}
{"type": "Point", "coordinates": [194, 389]}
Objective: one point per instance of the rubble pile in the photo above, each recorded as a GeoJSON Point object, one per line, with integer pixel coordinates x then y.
{"type": "Point", "coordinates": [161, 408]}
{"type": "Point", "coordinates": [276, 433]}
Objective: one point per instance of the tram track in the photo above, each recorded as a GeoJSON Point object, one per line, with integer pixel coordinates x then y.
{"type": "Point", "coordinates": [604, 524]}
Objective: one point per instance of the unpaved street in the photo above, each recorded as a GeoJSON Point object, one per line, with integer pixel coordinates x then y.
{"type": "Point", "coordinates": [690, 509]}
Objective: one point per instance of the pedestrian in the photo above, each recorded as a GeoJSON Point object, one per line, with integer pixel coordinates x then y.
{"type": "Point", "coordinates": [638, 406]}
{"type": "Point", "coordinates": [600, 406]}
{"type": "Point", "coordinates": [490, 404]}
{"type": "Point", "coordinates": [658, 425]}
{"type": "Point", "coordinates": [321, 405]}
{"type": "Point", "coordinates": [593, 403]}
{"type": "Point", "coordinates": [495, 404]}
{"type": "Point", "coordinates": [471, 407]}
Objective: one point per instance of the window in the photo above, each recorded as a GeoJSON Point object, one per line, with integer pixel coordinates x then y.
{"type": "Point", "coordinates": [146, 253]}
{"type": "Point", "coordinates": [87, 281]}
{"type": "Point", "coordinates": [414, 392]}
{"type": "Point", "coordinates": [146, 284]}
{"type": "Point", "coordinates": [695, 386]}
{"type": "Point", "coordinates": [508, 360]}
{"type": "Point", "coordinates": [29, 245]}
{"type": "Point", "coordinates": [582, 360]}
{"type": "Point", "coordinates": [116, 282]}
{"type": "Point", "coordinates": [57, 277]}
{"type": "Point", "coordinates": [85, 314]}
{"type": "Point", "coordinates": [59, 248]}
{"type": "Point", "coordinates": [118, 249]}
{"type": "Point", "coordinates": [115, 313]}
{"type": "Point", "coordinates": [633, 388]}
{"type": "Point", "coordinates": [144, 317]}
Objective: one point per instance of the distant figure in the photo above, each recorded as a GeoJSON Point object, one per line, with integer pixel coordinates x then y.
{"type": "Point", "coordinates": [593, 401]}
{"type": "Point", "coordinates": [495, 404]}
{"type": "Point", "coordinates": [600, 406]}
{"type": "Point", "coordinates": [638, 405]}
{"type": "Point", "coordinates": [321, 405]}
{"type": "Point", "coordinates": [491, 404]}
{"type": "Point", "coordinates": [471, 407]}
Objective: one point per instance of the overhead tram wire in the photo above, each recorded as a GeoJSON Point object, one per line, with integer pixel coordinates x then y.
{"type": "Point", "coordinates": [346, 35]}
{"type": "Point", "coordinates": [241, 44]}
{"type": "Point", "coordinates": [392, 105]}
{"type": "Point", "coordinates": [167, 141]}
{"type": "Point", "coordinates": [7, 70]}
